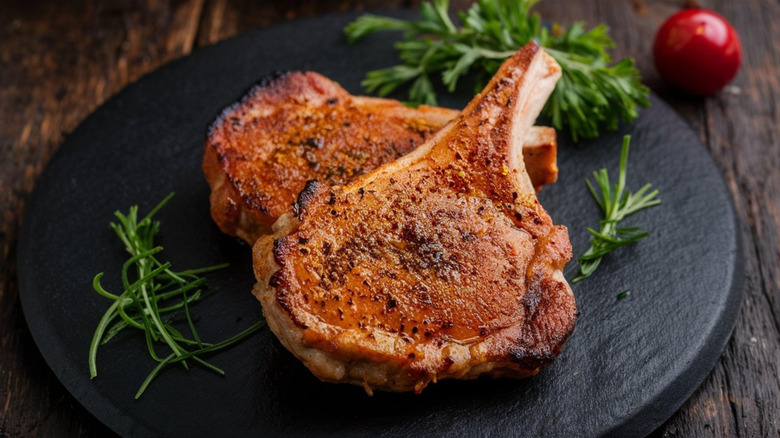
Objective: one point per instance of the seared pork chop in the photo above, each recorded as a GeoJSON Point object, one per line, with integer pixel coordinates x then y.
{"type": "Point", "coordinates": [297, 127]}
{"type": "Point", "coordinates": [442, 264]}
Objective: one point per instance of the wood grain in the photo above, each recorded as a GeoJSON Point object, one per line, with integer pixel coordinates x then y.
{"type": "Point", "coordinates": [59, 61]}
{"type": "Point", "coordinates": [742, 396]}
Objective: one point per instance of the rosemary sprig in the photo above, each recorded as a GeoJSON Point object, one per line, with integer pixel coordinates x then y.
{"type": "Point", "coordinates": [154, 299]}
{"type": "Point", "coordinates": [593, 93]}
{"type": "Point", "coordinates": [616, 205]}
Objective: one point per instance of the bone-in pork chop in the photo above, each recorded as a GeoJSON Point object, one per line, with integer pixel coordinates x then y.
{"type": "Point", "coordinates": [296, 127]}
{"type": "Point", "coordinates": [442, 264]}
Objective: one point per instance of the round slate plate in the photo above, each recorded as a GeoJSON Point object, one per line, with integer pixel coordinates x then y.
{"type": "Point", "coordinates": [627, 368]}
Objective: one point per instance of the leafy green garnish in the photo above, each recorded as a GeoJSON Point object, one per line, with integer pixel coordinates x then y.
{"type": "Point", "coordinates": [592, 93]}
{"type": "Point", "coordinates": [616, 205]}
{"type": "Point", "coordinates": [153, 297]}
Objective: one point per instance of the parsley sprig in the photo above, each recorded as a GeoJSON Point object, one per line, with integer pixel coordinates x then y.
{"type": "Point", "coordinates": [616, 205]}
{"type": "Point", "coordinates": [593, 93]}
{"type": "Point", "coordinates": [154, 296]}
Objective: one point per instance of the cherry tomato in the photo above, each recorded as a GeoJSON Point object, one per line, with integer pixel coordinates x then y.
{"type": "Point", "coordinates": [697, 51]}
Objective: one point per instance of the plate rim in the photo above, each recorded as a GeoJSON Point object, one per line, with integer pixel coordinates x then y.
{"type": "Point", "coordinates": [667, 401]}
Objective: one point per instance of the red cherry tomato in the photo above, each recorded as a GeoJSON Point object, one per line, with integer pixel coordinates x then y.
{"type": "Point", "coordinates": [697, 51]}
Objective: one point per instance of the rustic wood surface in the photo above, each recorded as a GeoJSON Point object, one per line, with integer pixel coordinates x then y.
{"type": "Point", "coordinates": [60, 60]}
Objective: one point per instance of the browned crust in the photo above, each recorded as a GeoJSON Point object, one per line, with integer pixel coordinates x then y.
{"type": "Point", "coordinates": [296, 127]}
{"type": "Point", "coordinates": [442, 264]}
{"type": "Point", "coordinates": [540, 154]}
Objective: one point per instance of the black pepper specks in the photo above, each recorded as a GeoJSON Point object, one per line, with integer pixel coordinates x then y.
{"type": "Point", "coordinates": [314, 143]}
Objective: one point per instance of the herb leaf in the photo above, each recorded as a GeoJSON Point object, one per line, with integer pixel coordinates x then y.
{"type": "Point", "coordinates": [154, 299]}
{"type": "Point", "coordinates": [616, 205]}
{"type": "Point", "coordinates": [593, 94]}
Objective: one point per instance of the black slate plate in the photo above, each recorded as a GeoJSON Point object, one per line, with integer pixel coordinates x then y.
{"type": "Point", "coordinates": [629, 365]}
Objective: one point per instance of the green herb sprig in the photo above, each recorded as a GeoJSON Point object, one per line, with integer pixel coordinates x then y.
{"type": "Point", "coordinates": [592, 94]}
{"type": "Point", "coordinates": [153, 296]}
{"type": "Point", "coordinates": [616, 205]}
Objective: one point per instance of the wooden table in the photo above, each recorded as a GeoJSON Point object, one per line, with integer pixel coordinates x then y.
{"type": "Point", "coordinates": [60, 60]}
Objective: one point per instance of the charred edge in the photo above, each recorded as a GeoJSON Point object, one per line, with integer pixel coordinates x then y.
{"type": "Point", "coordinates": [563, 336]}
{"type": "Point", "coordinates": [305, 196]}
{"type": "Point", "coordinates": [531, 359]}
{"type": "Point", "coordinates": [270, 78]}
{"type": "Point", "coordinates": [528, 50]}
{"type": "Point", "coordinates": [264, 82]}
{"type": "Point", "coordinates": [276, 279]}
{"type": "Point", "coordinates": [256, 201]}
{"type": "Point", "coordinates": [285, 303]}
{"type": "Point", "coordinates": [278, 250]}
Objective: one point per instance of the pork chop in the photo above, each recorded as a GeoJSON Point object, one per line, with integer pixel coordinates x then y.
{"type": "Point", "coordinates": [296, 127]}
{"type": "Point", "coordinates": [442, 264]}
